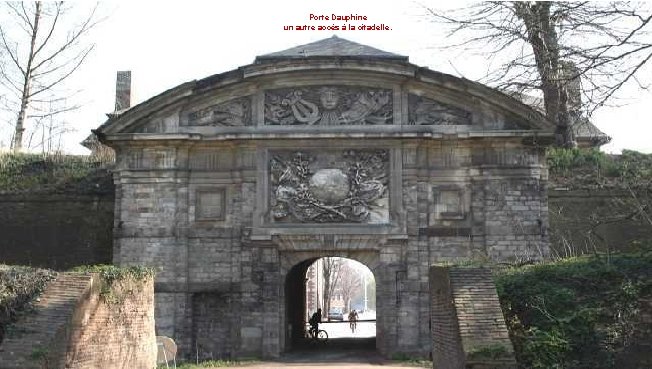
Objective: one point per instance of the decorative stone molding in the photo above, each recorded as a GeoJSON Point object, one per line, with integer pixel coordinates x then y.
{"type": "Point", "coordinates": [449, 202]}
{"type": "Point", "coordinates": [318, 242]}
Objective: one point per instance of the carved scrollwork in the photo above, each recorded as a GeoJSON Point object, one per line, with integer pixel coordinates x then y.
{"type": "Point", "coordinates": [349, 186]}
{"type": "Point", "coordinates": [424, 111]}
{"type": "Point", "coordinates": [328, 106]}
{"type": "Point", "coordinates": [232, 113]}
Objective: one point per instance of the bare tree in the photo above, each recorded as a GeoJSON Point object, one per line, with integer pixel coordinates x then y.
{"type": "Point", "coordinates": [350, 284]}
{"type": "Point", "coordinates": [42, 49]}
{"type": "Point", "coordinates": [551, 46]}
{"type": "Point", "coordinates": [331, 277]}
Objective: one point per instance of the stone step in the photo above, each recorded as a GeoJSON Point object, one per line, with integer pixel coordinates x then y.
{"type": "Point", "coordinates": [53, 310]}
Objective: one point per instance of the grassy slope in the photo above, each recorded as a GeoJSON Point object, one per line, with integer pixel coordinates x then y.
{"type": "Point", "coordinates": [35, 173]}
{"type": "Point", "coordinates": [19, 286]}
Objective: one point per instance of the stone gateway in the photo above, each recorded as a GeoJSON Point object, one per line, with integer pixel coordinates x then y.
{"type": "Point", "coordinates": [234, 184]}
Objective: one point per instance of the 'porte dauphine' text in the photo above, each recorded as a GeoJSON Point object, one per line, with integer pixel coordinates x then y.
{"type": "Point", "coordinates": [335, 17]}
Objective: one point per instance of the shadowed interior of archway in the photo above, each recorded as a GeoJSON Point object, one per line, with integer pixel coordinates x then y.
{"type": "Point", "coordinates": [297, 314]}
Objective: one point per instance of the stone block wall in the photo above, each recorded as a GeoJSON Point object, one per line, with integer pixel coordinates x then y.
{"type": "Point", "coordinates": [56, 231]}
{"type": "Point", "coordinates": [516, 219]}
{"type": "Point", "coordinates": [468, 326]}
{"type": "Point", "coordinates": [585, 220]}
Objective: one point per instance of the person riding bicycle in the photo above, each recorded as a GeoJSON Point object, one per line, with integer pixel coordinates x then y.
{"type": "Point", "coordinates": [314, 321]}
{"type": "Point", "coordinates": [353, 319]}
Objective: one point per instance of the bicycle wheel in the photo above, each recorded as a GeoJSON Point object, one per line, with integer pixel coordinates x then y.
{"type": "Point", "coordinates": [322, 336]}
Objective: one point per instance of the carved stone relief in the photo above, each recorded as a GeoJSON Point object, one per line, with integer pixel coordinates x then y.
{"type": "Point", "coordinates": [425, 111]}
{"type": "Point", "coordinates": [232, 113]}
{"type": "Point", "coordinates": [330, 186]}
{"type": "Point", "coordinates": [328, 106]}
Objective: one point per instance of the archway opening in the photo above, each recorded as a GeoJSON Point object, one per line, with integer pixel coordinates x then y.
{"type": "Point", "coordinates": [344, 290]}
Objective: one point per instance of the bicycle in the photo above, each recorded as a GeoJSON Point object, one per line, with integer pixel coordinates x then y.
{"type": "Point", "coordinates": [320, 337]}
{"type": "Point", "coordinates": [353, 324]}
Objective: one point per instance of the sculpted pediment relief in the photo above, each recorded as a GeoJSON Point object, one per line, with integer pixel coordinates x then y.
{"type": "Point", "coordinates": [425, 111]}
{"type": "Point", "coordinates": [329, 106]}
{"type": "Point", "coordinates": [232, 113]}
{"type": "Point", "coordinates": [326, 105]}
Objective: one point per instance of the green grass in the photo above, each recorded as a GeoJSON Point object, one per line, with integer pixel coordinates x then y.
{"type": "Point", "coordinates": [631, 167]}
{"type": "Point", "coordinates": [51, 173]}
{"type": "Point", "coordinates": [111, 275]}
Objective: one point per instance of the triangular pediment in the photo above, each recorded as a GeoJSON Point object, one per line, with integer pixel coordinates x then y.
{"type": "Point", "coordinates": [289, 91]}
{"type": "Point", "coordinates": [331, 47]}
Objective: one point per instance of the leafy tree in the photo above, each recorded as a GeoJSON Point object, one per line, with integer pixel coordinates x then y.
{"type": "Point", "coordinates": [41, 48]}
{"type": "Point", "coordinates": [551, 46]}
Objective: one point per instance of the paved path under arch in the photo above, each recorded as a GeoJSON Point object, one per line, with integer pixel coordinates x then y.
{"type": "Point", "coordinates": [339, 353]}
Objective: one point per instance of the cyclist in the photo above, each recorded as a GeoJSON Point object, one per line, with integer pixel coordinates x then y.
{"type": "Point", "coordinates": [353, 319]}
{"type": "Point", "coordinates": [314, 321]}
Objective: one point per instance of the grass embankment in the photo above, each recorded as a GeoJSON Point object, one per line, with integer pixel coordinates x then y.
{"type": "Point", "coordinates": [591, 168]}
{"type": "Point", "coordinates": [36, 173]}
{"type": "Point", "coordinates": [577, 313]}
{"type": "Point", "coordinates": [19, 286]}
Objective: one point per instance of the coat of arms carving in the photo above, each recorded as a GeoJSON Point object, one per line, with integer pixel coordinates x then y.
{"type": "Point", "coordinates": [330, 187]}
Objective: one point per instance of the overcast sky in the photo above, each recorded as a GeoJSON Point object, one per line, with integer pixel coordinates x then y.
{"type": "Point", "coordinates": [168, 43]}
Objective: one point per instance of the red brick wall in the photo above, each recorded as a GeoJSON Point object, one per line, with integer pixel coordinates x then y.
{"type": "Point", "coordinates": [115, 332]}
{"type": "Point", "coordinates": [74, 326]}
{"type": "Point", "coordinates": [466, 319]}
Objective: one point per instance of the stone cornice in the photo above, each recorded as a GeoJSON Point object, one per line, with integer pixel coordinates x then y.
{"type": "Point", "coordinates": [264, 133]}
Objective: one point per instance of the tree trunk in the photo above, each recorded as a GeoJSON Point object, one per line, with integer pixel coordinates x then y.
{"type": "Point", "coordinates": [544, 40]}
{"type": "Point", "coordinates": [27, 84]}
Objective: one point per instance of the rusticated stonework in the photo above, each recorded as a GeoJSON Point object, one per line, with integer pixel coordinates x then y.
{"type": "Point", "coordinates": [424, 111]}
{"type": "Point", "coordinates": [236, 112]}
{"type": "Point", "coordinates": [330, 187]}
{"type": "Point", "coordinates": [328, 106]}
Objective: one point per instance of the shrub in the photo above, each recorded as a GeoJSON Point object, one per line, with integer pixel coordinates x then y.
{"type": "Point", "coordinates": [574, 313]}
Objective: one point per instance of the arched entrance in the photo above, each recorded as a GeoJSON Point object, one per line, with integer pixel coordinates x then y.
{"type": "Point", "coordinates": [337, 285]}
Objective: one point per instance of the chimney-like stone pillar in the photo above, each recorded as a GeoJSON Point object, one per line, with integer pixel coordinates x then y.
{"type": "Point", "coordinates": [123, 90]}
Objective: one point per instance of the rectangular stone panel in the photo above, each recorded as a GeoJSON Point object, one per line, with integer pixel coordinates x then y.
{"type": "Point", "coordinates": [210, 204]}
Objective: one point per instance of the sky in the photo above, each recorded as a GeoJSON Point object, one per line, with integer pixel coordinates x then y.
{"type": "Point", "coordinates": [165, 44]}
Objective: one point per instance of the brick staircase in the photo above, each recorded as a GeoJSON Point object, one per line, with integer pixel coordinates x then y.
{"type": "Point", "coordinates": [37, 335]}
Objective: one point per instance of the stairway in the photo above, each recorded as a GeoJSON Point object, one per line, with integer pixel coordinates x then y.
{"type": "Point", "coordinates": [38, 334]}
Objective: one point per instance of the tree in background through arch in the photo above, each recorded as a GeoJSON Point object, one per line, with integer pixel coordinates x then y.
{"type": "Point", "coordinates": [332, 267]}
